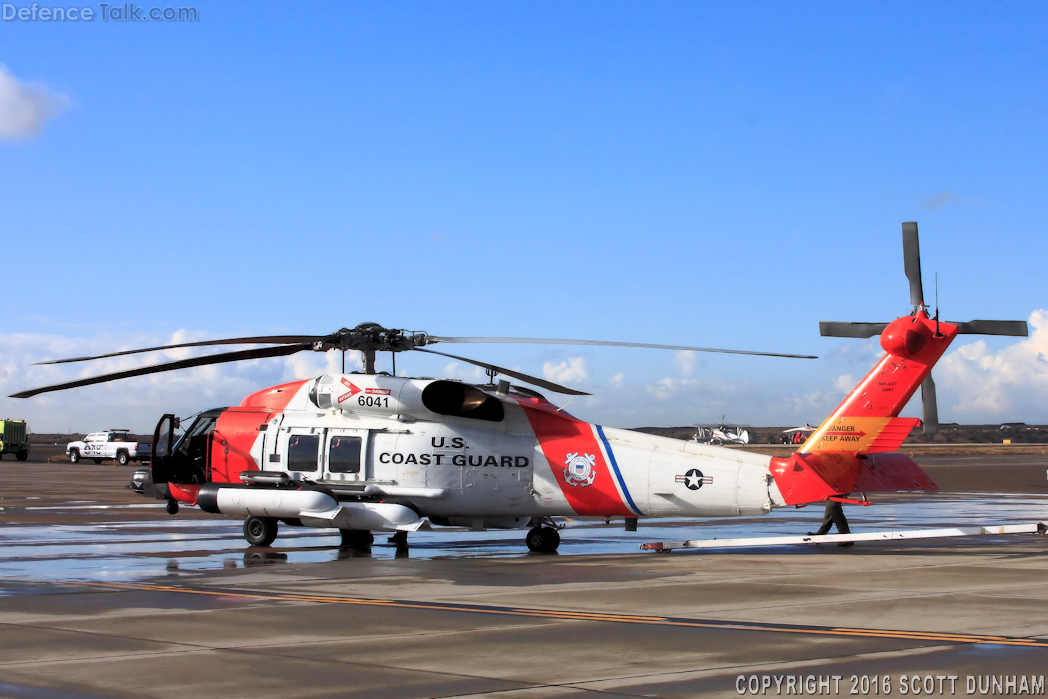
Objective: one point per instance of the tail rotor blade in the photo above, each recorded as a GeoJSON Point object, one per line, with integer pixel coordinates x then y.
{"type": "Point", "coordinates": [930, 408]}
{"type": "Point", "coordinates": [911, 252]}
{"type": "Point", "coordinates": [1014, 328]}
{"type": "Point", "coordinates": [846, 329]}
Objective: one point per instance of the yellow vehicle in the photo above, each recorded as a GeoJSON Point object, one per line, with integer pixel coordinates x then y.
{"type": "Point", "coordinates": [14, 439]}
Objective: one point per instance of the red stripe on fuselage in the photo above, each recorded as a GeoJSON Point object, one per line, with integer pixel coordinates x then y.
{"type": "Point", "coordinates": [234, 436]}
{"type": "Point", "coordinates": [238, 428]}
{"type": "Point", "coordinates": [560, 435]}
{"type": "Point", "coordinates": [275, 398]}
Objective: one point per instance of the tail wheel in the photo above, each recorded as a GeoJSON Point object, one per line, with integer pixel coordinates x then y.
{"type": "Point", "coordinates": [122, 458]}
{"type": "Point", "coordinates": [74, 456]}
{"type": "Point", "coordinates": [543, 540]}
{"type": "Point", "coordinates": [260, 531]}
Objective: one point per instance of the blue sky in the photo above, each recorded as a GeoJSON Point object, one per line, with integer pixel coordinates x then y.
{"type": "Point", "coordinates": [714, 174]}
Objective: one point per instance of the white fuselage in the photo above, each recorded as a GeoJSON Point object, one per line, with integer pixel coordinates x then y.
{"type": "Point", "coordinates": [535, 461]}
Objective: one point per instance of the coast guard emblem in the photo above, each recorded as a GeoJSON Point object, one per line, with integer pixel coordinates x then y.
{"type": "Point", "coordinates": [580, 469]}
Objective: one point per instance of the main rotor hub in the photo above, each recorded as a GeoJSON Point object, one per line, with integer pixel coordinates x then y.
{"type": "Point", "coordinates": [372, 337]}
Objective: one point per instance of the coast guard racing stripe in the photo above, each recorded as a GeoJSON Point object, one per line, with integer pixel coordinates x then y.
{"type": "Point", "coordinates": [578, 463]}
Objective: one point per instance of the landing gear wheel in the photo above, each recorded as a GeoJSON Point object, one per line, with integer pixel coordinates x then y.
{"type": "Point", "coordinates": [399, 539]}
{"type": "Point", "coordinates": [172, 507]}
{"type": "Point", "coordinates": [74, 456]}
{"type": "Point", "coordinates": [122, 458]}
{"type": "Point", "coordinates": [543, 540]}
{"type": "Point", "coordinates": [22, 455]}
{"type": "Point", "coordinates": [97, 461]}
{"type": "Point", "coordinates": [357, 538]}
{"type": "Point", "coordinates": [260, 531]}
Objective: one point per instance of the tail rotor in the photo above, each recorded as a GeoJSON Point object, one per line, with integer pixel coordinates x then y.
{"type": "Point", "coordinates": [911, 252]}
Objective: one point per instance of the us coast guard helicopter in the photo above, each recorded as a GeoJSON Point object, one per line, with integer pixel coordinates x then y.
{"type": "Point", "coordinates": [363, 452]}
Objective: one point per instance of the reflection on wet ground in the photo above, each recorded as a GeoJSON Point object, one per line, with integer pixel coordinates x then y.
{"type": "Point", "coordinates": [136, 549]}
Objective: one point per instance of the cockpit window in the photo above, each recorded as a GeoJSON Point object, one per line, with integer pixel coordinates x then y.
{"type": "Point", "coordinates": [462, 400]}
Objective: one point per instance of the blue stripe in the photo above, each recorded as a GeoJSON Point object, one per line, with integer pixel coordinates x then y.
{"type": "Point", "coordinates": [615, 468]}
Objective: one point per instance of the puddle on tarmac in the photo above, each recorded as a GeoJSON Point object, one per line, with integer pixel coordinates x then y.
{"type": "Point", "coordinates": [137, 549]}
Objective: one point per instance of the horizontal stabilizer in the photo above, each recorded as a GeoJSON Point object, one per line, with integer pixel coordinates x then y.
{"type": "Point", "coordinates": [807, 478]}
{"type": "Point", "coordinates": [890, 473]}
{"type": "Point", "coordinates": [892, 435]}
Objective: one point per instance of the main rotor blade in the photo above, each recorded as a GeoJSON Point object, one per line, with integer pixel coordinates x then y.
{"type": "Point", "coordinates": [1015, 328]}
{"type": "Point", "coordinates": [930, 407]}
{"type": "Point", "coordinates": [550, 341]}
{"type": "Point", "coordinates": [845, 329]}
{"type": "Point", "coordinates": [548, 385]}
{"type": "Point", "coordinates": [206, 360]}
{"type": "Point", "coordinates": [911, 254]}
{"type": "Point", "coordinates": [268, 339]}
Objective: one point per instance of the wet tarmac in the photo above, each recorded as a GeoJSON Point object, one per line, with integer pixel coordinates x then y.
{"type": "Point", "coordinates": [104, 594]}
{"type": "Point", "coordinates": [138, 549]}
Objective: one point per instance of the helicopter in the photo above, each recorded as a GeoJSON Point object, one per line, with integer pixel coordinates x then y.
{"type": "Point", "coordinates": [367, 451]}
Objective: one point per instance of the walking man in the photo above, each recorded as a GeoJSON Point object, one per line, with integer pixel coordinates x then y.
{"type": "Point", "coordinates": [834, 516]}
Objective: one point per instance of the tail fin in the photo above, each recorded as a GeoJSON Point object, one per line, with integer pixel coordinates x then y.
{"type": "Point", "coordinates": [867, 421]}
{"type": "Point", "coordinates": [833, 461]}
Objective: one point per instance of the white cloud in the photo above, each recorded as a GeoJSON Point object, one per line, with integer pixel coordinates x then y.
{"type": "Point", "coordinates": [24, 107]}
{"type": "Point", "coordinates": [669, 387]}
{"type": "Point", "coordinates": [618, 380]}
{"type": "Point", "coordinates": [573, 370]}
{"type": "Point", "coordinates": [685, 362]}
{"type": "Point", "coordinates": [465, 372]}
{"type": "Point", "coordinates": [937, 201]}
{"type": "Point", "coordinates": [844, 383]}
{"type": "Point", "coordinates": [975, 385]}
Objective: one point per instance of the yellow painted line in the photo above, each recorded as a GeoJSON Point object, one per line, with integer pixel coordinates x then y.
{"type": "Point", "coordinates": [574, 616]}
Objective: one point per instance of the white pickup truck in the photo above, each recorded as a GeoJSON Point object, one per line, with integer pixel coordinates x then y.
{"type": "Point", "coordinates": [112, 444]}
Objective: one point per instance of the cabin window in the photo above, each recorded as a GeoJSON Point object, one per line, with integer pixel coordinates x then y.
{"type": "Point", "coordinates": [344, 455]}
{"type": "Point", "coordinates": [302, 450]}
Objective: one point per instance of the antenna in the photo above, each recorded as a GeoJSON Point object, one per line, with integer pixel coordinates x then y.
{"type": "Point", "coordinates": [937, 333]}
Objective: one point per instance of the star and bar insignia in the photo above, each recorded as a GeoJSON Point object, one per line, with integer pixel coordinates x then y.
{"type": "Point", "coordinates": [693, 479]}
